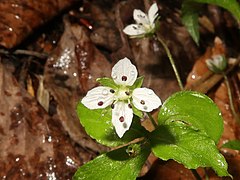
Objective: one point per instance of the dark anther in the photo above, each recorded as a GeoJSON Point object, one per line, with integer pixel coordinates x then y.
{"type": "Point", "coordinates": [121, 119]}
{"type": "Point", "coordinates": [112, 91]}
{"type": "Point", "coordinates": [100, 103]}
{"type": "Point", "coordinates": [112, 106]}
{"type": "Point", "coordinates": [130, 106]}
{"type": "Point", "coordinates": [142, 102]}
{"type": "Point", "coordinates": [124, 78]}
{"type": "Point", "coordinates": [127, 93]}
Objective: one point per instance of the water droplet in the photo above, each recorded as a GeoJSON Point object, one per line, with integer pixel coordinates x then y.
{"type": "Point", "coordinates": [105, 92]}
{"type": "Point", "coordinates": [114, 75]}
{"type": "Point", "coordinates": [150, 92]}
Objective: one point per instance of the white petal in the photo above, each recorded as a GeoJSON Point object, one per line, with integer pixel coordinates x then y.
{"type": "Point", "coordinates": [134, 30]}
{"type": "Point", "coordinates": [122, 116]}
{"type": "Point", "coordinates": [140, 17]}
{"type": "Point", "coordinates": [145, 99]}
{"type": "Point", "coordinates": [98, 98]}
{"type": "Point", "coordinates": [124, 72]}
{"type": "Point", "coordinates": [152, 13]}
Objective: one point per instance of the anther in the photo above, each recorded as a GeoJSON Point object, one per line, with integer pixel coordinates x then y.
{"type": "Point", "coordinates": [130, 106]}
{"type": "Point", "coordinates": [112, 91]}
{"type": "Point", "coordinates": [142, 102]}
{"type": "Point", "coordinates": [127, 93]}
{"type": "Point", "coordinates": [100, 103]}
{"type": "Point", "coordinates": [112, 106]}
{"type": "Point", "coordinates": [121, 119]}
{"type": "Point", "coordinates": [124, 78]}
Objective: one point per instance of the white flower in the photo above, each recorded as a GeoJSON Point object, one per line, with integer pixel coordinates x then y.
{"type": "Point", "coordinates": [145, 23]}
{"type": "Point", "coordinates": [217, 63]}
{"type": "Point", "coordinates": [123, 97]}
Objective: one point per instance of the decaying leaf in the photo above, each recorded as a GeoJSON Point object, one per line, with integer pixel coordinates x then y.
{"type": "Point", "coordinates": [20, 18]}
{"type": "Point", "coordinates": [33, 145]}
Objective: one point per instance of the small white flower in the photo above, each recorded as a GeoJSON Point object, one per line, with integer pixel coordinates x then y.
{"type": "Point", "coordinates": [145, 23]}
{"type": "Point", "coordinates": [122, 98]}
{"type": "Point", "coordinates": [217, 63]}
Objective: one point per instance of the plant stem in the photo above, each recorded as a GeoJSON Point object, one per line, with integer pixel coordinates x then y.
{"type": "Point", "coordinates": [196, 175]}
{"type": "Point", "coordinates": [171, 61]}
{"type": "Point", "coordinates": [231, 98]}
{"type": "Point", "coordinates": [152, 120]}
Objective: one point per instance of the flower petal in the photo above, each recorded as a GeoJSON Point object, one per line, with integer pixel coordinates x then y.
{"type": "Point", "coordinates": [145, 99]}
{"type": "Point", "coordinates": [124, 72]}
{"type": "Point", "coordinates": [153, 13]}
{"type": "Point", "coordinates": [98, 98]}
{"type": "Point", "coordinates": [122, 115]}
{"type": "Point", "coordinates": [140, 17]}
{"type": "Point", "coordinates": [134, 30]}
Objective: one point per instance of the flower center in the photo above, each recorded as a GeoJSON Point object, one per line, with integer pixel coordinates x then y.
{"type": "Point", "coordinates": [123, 94]}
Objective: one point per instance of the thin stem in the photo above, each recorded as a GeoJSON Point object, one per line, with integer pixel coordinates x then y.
{"type": "Point", "coordinates": [231, 98]}
{"type": "Point", "coordinates": [171, 61]}
{"type": "Point", "coordinates": [196, 175]}
{"type": "Point", "coordinates": [152, 120]}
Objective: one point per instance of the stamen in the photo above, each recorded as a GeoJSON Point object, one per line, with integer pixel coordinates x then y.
{"type": "Point", "coordinates": [142, 102]}
{"type": "Point", "coordinates": [121, 119]}
{"type": "Point", "coordinates": [112, 91]}
{"type": "Point", "coordinates": [127, 93]}
{"type": "Point", "coordinates": [100, 103]}
{"type": "Point", "coordinates": [124, 78]}
{"type": "Point", "coordinates": [130, 106]}
{"type": "Point", "coordinates": [134, 27]}
{"type": "Point", "coordinates": [112, 106]}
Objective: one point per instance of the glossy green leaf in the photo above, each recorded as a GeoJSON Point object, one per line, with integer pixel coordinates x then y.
{"type": "Point", "coordinates": [195, 109]}
{"type": "Point", "coordinates": [98, 125]}
{"type": "Point", "coordinates": [115, 165]}
{"type": "Point", "coordinates": [188, 146]}
{"type": "Point", "coordinates": [234, 144]}
{"type": "Point", "coordinates": [190, 19]}
{"type": "Point", "coordinates": [107, 82]}
{"type": "Point", "coordinates": [231, 5]}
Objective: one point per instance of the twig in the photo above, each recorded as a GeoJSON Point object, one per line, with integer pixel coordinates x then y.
{"type": "Point", "coordinates": [25, 52]}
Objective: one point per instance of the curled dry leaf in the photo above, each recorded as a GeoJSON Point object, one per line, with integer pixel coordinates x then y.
{"type": "Point", "coordinates": [33, 145]}
{"type": "Point", "coordinates": [20, 18]}
{"type": "Point", "coordinates": [70, 72]}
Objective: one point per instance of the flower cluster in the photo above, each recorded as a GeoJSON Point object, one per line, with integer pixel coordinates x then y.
{"type": "Point", "coordinates": [145, 23]}
{"type": "Point", "coordinates": [122, 96]}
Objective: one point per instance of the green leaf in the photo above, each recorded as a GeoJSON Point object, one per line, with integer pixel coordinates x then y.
{"type": "Point", "coordinates": [98, 125]}
{"type": "Point", "coordinates": [190, 19]}
{"type": "Point", "coordinates": [195, 109]}
{"type": "Point", "coordinates": [138, 83]}
{"type": "Point", "coordinates": [137, 112]}
{"type": "Point", "coordinates": [231, 5]}
{"type": "Point", "coordinates": [107, 82]}
{"type": "Point", "coordinates": [234, 144]}
{"type": "Point", "coordinates": [115, 165]}
{"type": "Point", "coordinates": [188, 146]}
